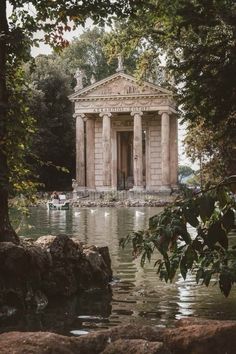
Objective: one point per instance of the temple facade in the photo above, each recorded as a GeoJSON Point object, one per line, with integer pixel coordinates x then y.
{"type": "Point", "coordinates": [126, 135]}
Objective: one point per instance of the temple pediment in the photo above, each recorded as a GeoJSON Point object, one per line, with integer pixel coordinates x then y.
{"type": "Point", "coordinates": [119, 85]}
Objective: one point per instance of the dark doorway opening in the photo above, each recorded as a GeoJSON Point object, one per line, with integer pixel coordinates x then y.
{"type": "Point", "coordinates": [125, 177]}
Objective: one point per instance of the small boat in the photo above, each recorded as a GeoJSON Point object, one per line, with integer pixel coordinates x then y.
{"type": "Point", "coordinates": [59, 204]}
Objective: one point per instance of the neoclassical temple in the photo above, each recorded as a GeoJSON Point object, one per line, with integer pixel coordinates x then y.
{"type": "Point", "coordinates": [126, 135]}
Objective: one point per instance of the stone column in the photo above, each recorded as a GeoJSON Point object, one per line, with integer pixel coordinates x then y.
{"type": "Point", "coordinates": [90, 142]}
{"type": "Point", "coordinates": [173, 151]}
{"type": "Point", "coordinates": [165, 151]}
{"type": "Point", "coordinates": [106, 136]}
{"type": "Point", "coordinates": [138, 151]}
{"type": "Point", "coordinates": [80, 150]}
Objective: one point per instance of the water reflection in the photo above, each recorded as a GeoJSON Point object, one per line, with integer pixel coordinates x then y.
{"type": "Point", "coordinates": [138, 295]}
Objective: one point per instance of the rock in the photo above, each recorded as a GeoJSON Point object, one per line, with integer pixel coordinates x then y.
{"type": "Point", "coordinates": [52, 266]}
{"type": "Point", "coordinates": [94, 343]}
{"type": "Point", "coordinates": [135, 346]}
{"type": "Point", "coordinates": [211, 337]}
{"type": "Point", "coordinates": [60, 247]}
{"type": "Point", "coordinates": [22, 269]}
{"type": "Point", "coordinates": [79, 244]}
{"type": "Point", "coordinates": [37, 343]}
{"type": "Point", "coordinates": [10, 255]}
{"type": "Point", "coordinates": [104, 252]}
{"type": "Point", "coordinates": [61, 277]}
{"type": "Point", "coordinates": [132, 331]}
{"type": "Point", "coordinates": [92, 272]}
{"type": "Point", "coordinates": [218, 337]}
{"type": "Point", "coordinates": [185, 322]}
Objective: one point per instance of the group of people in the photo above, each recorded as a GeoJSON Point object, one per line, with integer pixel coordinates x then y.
{"type": "Point", "coordinates": [58, 197]}
{"type": "Point", "coordinates": [55, 196]}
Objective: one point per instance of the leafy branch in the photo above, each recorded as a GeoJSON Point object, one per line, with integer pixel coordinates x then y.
{"type": "Point", "coordinates": [191, 235]}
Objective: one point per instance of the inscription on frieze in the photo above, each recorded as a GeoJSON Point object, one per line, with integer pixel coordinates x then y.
{"type": "Point", "coordinates": [120, 109]}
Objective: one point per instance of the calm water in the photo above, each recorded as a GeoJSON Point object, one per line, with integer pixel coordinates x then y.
{"type": "Point", "coordinates": [137, 294]}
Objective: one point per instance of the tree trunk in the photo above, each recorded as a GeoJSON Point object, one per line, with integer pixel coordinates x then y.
{"type": "Point", "coordinates": [7, 233]}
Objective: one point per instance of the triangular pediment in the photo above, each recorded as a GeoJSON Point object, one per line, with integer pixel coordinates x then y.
{"type": "Point", "coordinates": [119, 84]}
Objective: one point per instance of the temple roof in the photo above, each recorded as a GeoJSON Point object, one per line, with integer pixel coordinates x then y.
{"type": "Point", "coordinates": [119, 85]}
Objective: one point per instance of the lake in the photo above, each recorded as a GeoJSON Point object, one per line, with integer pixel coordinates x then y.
{"type": "Point", "coordinates": [137, 293]}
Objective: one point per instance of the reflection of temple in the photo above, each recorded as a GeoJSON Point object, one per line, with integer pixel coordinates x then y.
{"type": "Point", "coordinates": [126, 135]}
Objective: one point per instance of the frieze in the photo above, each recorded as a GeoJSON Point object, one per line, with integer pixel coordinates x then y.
{"type": "Point", "coordinates": [120, 104]}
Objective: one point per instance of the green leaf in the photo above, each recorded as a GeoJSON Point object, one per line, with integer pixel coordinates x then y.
{"type": "Point", "coordinates": [217, 234]}
{"type": "Point", "coordinates": [190, 256]}
{"type": "Point", "coordinates": [207, 277]}
{"type": "Point", "coordinates": [228, 220]}
{"type": "Point", "coordinates": [183, 268]}
{"type": "Point", "coordinates": [207, 205]}
{"type": "Point", "coordinates": [199, 275]}
{"type": "Point", "coordinates": [222, 197]}
{"type": "Point", "coordinates": [191, 217]}
{"type": "Point", "coordinates": [225, 283]}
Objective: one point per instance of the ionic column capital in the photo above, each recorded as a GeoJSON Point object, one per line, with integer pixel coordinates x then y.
{"type": "Point", "coordinates": [105, 114]}
{"type": "Point", "coordinates": [166, 111]}
{"type": "Point", "coordinates": [79, 115]}
{"type": "Point", "coordinates": [136, 113]}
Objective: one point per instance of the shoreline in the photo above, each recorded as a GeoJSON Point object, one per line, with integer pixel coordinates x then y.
{"type": "Point", "coordinates": [112, 199]}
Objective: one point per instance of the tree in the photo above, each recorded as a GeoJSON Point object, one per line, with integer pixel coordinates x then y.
{"type": "Point", "coordinates": [52, 17]}
{"type": "Point", "coordinates": [53, 144]}
{"type": "Point", "coordinates": [212, 147]}
{"type": "Point", "coordinates": [184, 171]}
{"type": "Point", "coordinates": [86, 53]}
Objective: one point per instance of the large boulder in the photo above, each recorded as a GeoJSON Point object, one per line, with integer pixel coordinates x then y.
{"type": "Point", "coordinates": [22, 269]}
{"type": "Point", "coordinates": [75, 266]}
{"type": "Point", "coordinates": [135, 346]}
{"type": "Point", "coordinates": [61, 248]}
{"type": "Point", "coordinates": [51, 266]}
{"type": "Point", "coordinates": [202, 337]}
{"type": "Point", "coordinates": [37, 343]}
{"type": "Point", "coordinates": [65, 255]}
{"type": "Point", "coordinates": [116, 340]}
{"type": "Point", "coordinates": [94, 269]}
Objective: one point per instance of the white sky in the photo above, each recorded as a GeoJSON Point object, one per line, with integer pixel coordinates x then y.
{"type": "Point", "coordinates": [46, 49]}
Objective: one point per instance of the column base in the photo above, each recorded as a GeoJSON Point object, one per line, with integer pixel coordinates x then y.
{"type": "Point", "coordinates": [137, 189]}
{"type": "Point", "coordinates": [153, 189]}
{"type": "Point", "coordinates": [175, 187]}
{"type": "Point", "coordinates": [165, 189]}
{"type": "Point", "coordinates": [80, 188]}
{"type": "Point", "coordinates": [79, 192]}
{"type": "Point", "coordinates": [105, 189]}
{"type": "Point", "coordinates": [89, 189]}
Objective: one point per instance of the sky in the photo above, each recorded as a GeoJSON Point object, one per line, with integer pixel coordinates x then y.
{"type": "Point", "coordinates": [46, 49]}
